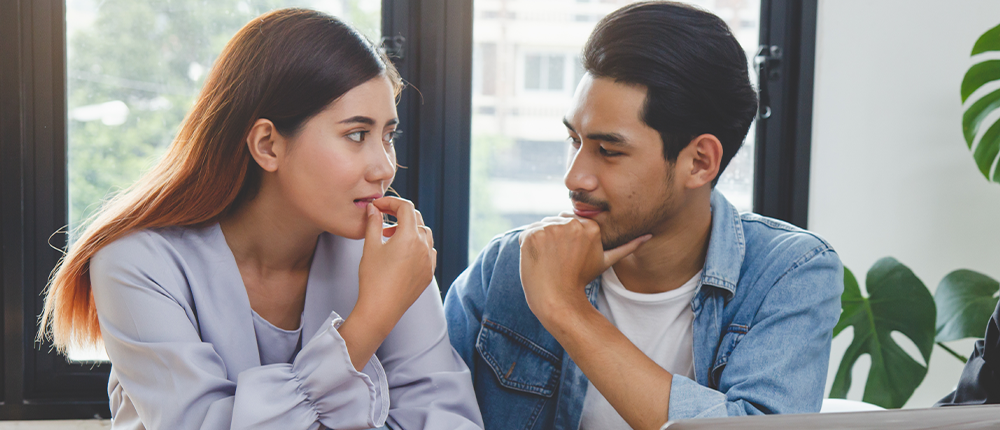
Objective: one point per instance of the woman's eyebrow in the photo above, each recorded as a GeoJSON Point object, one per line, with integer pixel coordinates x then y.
{"type": "Point", "coordinates": [358, 119]}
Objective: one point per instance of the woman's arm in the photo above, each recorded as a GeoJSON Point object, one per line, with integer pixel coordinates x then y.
{"type": "Point", "coordinates": [430, 385]}
{"type": "Point", "coordinates": [175, 380]}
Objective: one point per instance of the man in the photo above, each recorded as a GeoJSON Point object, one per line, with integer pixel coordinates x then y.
{"type": "Point", "coordinates": [655, 299]}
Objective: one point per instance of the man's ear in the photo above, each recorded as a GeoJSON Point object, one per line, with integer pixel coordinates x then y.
{"type": "Point", "coordinates": [265, 144]}
{"type": "Point", "coordinates": [705, 155]}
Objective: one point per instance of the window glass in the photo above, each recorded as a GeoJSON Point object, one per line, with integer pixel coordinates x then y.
{"type": "Point", "coordinates": [134, 69]}
{"type": "Point", "coordinates": [523, 82]}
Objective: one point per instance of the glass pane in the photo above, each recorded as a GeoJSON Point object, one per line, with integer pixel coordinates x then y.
{"type": "Point", "coordinates": [134, 69]}
{"type": "Point", "coordinates": [519, 149]}
{"type": "Point", "coordinates": [555, 72]}
{"type": "Point", "coordinates": [532, 72]}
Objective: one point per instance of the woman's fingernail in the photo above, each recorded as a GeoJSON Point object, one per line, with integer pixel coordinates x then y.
{"type": "Point", "coordinates": [371, 209]}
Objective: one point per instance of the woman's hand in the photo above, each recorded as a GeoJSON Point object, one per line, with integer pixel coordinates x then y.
{"type": "Point", "coordinates": [391, 277]}
{"type": "Point", "coordinates": [393, 274]}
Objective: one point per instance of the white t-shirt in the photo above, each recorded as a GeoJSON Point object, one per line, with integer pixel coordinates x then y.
{"type": "Point", "coordinates": [658, 324]}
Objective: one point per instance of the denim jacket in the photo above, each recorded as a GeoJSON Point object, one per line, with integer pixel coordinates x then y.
{"type": "Point", "coordinates": [763, 320]}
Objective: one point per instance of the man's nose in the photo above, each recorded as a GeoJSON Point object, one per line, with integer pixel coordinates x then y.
{"type": "Point", "coordinates": [580, 174]}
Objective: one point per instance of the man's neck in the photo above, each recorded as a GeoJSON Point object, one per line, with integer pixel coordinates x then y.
{"type": "Point", "coordinates": [673, 256]}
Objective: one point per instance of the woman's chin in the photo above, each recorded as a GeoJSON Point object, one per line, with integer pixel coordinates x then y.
{"type": "Point", "coordinates": [355, 232]}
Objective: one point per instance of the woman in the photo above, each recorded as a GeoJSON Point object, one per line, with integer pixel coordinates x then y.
{"type": "Point", "coordinates": [231, 286]}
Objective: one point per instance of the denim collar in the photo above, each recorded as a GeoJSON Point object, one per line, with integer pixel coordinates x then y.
{"type": "Point", "coordinates": [726, 246]}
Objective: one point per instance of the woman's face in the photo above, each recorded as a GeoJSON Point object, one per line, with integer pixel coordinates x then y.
{"type": "Point", "coordinates": [342, 158]}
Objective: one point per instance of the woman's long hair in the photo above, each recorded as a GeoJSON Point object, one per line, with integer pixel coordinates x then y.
{"type": "Point", "coordinates": [286, 66]}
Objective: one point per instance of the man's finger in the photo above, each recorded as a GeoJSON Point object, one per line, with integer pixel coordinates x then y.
{"type": "Point", "coordinates": [612, 256]}
{"type": "Point", "coordinates": [528, 230]}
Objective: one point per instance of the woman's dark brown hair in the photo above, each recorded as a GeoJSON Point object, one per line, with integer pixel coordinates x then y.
{"type": "Point", "coordinates": [285, 66]}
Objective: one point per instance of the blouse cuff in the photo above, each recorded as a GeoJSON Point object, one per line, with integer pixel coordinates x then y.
{"type": "Point", "coordinates": [342, 397]}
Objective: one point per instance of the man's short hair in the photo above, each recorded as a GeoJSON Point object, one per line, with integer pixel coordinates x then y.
{"type": "Point", "coordinates": [694, 71]}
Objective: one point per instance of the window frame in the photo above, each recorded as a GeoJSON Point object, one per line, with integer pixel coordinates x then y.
{"type": "Point", "coordinates": [434, 54]}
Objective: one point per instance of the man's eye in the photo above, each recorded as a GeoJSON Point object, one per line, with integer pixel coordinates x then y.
{"type": "Point", "coordinates": [607, 153]}
{"type": "Point", "coordinates": [357, 136]}
{"type": "Point", "coordinates": [574, 141]}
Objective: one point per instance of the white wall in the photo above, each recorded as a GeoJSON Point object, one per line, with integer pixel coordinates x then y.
{"type": "Point", "coordinates": [890, 172]}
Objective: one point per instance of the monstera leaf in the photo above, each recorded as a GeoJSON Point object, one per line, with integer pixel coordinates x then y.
{"type": "Point", "coordinates": [965, 302]}
{"type": "Point", "coordinates": [979, 74]}
{"type": "Point", "coordinates": [897, 301]}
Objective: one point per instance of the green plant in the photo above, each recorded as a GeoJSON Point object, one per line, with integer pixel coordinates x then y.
{"type": "Point", "coordinates": [899, 302]}
{"type": "Point", "coordinates": [988, 149]}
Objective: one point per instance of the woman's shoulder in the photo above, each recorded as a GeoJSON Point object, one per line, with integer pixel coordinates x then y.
{"type": "Point", "coordinates": [152, 243]}
{"type": "Point", "coordinates": [159, 254]}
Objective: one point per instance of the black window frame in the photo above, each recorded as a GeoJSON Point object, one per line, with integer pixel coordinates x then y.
{"type": "Point", "coordinates": [431, 44]}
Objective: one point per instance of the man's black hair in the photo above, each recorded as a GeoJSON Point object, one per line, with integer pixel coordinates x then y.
{"type": "Point", "coordinates": [694, 71]}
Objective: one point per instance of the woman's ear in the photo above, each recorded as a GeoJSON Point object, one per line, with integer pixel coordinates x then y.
{"type": "Point", "coordinates": [265, 144]}
{"type": "Point", "coordinates": [705, 152]}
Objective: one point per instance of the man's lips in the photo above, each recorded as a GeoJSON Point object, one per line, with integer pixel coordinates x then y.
{"type": "Point", "coordinates": [585, 210]}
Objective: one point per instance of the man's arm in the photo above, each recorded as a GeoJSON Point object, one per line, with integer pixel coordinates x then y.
{"type": "Point", "coordinates": [559, 257]}
{"type": "Point", "coordinates": [786, 350]}
{"type": "Point", "coordinates": [631, 382]}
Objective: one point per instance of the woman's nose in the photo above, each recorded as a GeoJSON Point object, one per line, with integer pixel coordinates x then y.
{"type": "Point", "coordinates": [381, 163]}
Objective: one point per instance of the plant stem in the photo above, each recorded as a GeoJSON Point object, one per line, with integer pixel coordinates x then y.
{"type": "Point", "coordinates": [952, 352]}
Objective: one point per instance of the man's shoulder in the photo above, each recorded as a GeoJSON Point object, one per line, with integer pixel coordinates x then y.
{"type": "Point", "coordinates": [768, 236]}
{"type": "Point", "coordinates": [503, 247]}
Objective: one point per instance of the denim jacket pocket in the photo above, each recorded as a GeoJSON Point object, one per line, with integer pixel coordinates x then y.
{"type": "Point", "coordinates": [517, 362]}
{"type": "Point", "coordinates": [734, 333]}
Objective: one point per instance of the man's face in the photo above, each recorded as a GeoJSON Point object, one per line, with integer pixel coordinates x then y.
{"type": "Point", "coordinates": [617, 174]}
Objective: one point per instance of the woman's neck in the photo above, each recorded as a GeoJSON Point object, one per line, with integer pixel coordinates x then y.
{"type": "Point", "coordinates": [265, 236]}
{"type": "Point", "coordinates": [273, 250]}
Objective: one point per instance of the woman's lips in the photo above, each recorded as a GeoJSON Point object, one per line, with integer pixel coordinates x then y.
{"type": "Point", "coordinates": [364, 201]}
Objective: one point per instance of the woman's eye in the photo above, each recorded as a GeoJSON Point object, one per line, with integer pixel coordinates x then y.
{"type": "Point", "coordinates": [357, 136]}
{"type": "Point", "coordinates": [391, 136]}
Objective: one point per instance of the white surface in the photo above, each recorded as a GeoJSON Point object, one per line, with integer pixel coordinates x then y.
{"type": "Point", "coordinates": [890, 173]}
{"type": "Point", "coordinates": [842, 405]}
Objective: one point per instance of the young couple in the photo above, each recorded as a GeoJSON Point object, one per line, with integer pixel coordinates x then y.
{"type": "Point", "coordinates": [247, 281]}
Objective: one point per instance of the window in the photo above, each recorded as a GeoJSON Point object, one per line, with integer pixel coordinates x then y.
{"type": "Point", "coordinates": [79, 119]}
{"type": "Point", "coordinates": [544, 72]}
{"type": "Point", "coordinates": [133, 71]}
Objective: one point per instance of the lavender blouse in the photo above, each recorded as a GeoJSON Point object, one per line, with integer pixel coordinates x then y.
{"type": "Point", "coordinates": [188, 352]}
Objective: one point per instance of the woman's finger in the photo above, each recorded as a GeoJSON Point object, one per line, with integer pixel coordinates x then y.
{"type": "Point", "coordinates": [373, 229]}
{"type": "Point", "coordinates": [428, 236]}
{"type": "Point", "coordinates": [402, 209]}
{"type": "Point", "coordinates": [388, 231]}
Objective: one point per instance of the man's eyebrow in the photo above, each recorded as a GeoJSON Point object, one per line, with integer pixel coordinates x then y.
{"type": "Point", "coordinates": [570, 127]}
{"type": "Point", "coordinates": [358, 119]}
{"type": "Point", "coordinates": [613, 139]}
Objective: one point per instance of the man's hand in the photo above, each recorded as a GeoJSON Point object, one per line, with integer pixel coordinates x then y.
{"type": "Point", "coordinates": [559, 257]}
